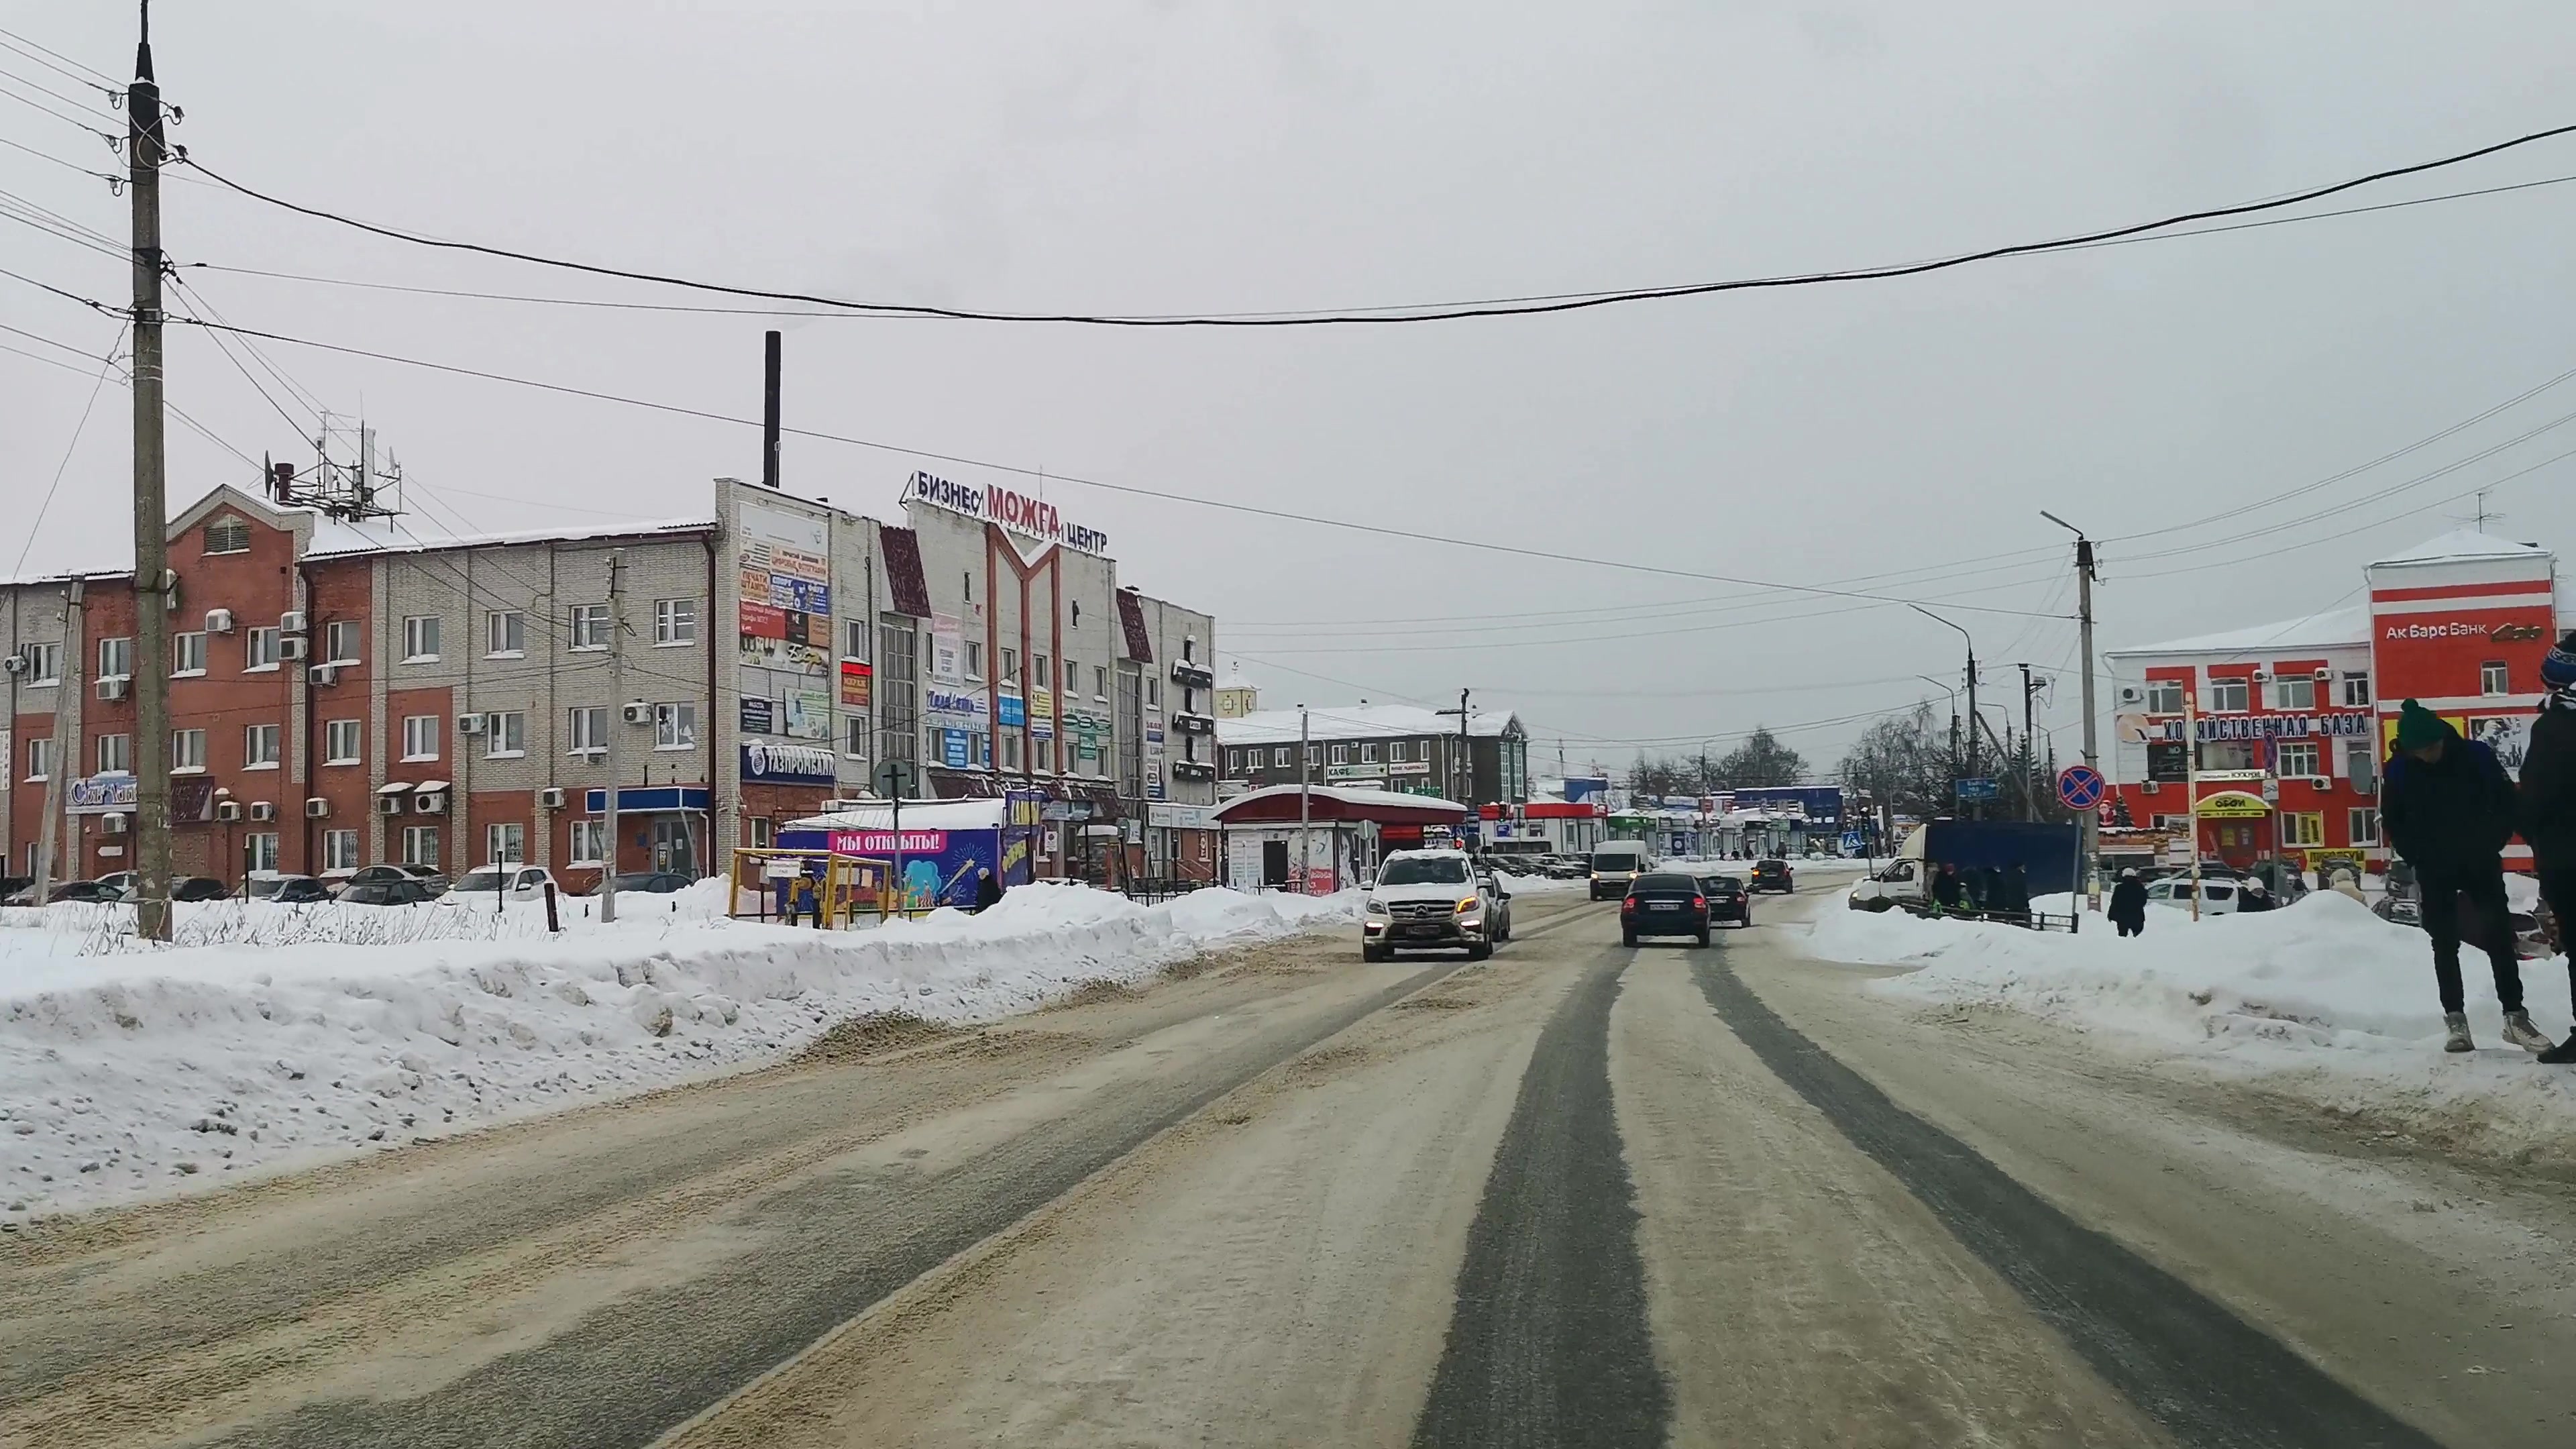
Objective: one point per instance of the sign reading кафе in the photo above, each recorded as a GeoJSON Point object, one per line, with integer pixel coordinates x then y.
{"type": "Point", "coordinates": [1017, 512]}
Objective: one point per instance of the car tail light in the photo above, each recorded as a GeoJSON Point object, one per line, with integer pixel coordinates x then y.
{"type": "Point", "coordinates": [1627, 904]}
{"type": "Point", "coordinates": [1699, 903]}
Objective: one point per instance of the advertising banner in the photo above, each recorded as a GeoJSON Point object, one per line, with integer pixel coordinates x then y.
{"type": "Point", "coordinates": [856, 682]}
{"type": "Point", "coordinates": [780, 654]}
{"type": "Point", "coordinates": [809, 715]}
{"type": "Point", "coordinates": [784, 562]}
{"type": "Point", "coordinates": [960, 707]}
{"type": "Point", "coordinates": [883, 842]}
{"type": "Point", "coordinates": [2509, 735]}
{"type": "Point", "coordinates": [759, 716]}
{"type": "Point", "coordinates": [1021, 513]}
{"type": "Point", "coordinates": [952, 749]}
{"type": "Point", "coordinates": [1015, 712]}
{"type": "Point", "coordinates": [767, 763]}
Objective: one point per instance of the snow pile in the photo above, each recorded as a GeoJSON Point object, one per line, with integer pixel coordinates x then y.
{"type": "Point", "coordinates": [129, 1074]}
{"type": "Point", "coordinates": [2321, 997]}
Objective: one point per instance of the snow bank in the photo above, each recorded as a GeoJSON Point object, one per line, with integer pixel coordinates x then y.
{"type": "Point", "coordinates": [133, 1074]}
{"type": "Point", "coordinates": [2321, 997]}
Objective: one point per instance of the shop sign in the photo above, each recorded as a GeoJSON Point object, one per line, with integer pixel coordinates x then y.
{"type": "Point", "coordinates": [785, 568]}
{"type": "Point", "coordinates": [809, 715]}
{"type": "Point", "coordinates": [885, 842]}
{"type": "Point", "coordinates": [759, 716]}
{"type": "Point", "coordinates": [953, 704]}
{"type": "Point", "coordinates": [2274, 727]}
{"type": "Point", "coordinates": [2447, 629]}
{"type": "Point", "coordinates": [1181, 817]}
{"type": "Point", "coordinates": [1041, 713]}
{"type": "Point", "coordinates": [856, 681]}
{"type": "Point", "coordinates": [952, 748]}
{"type": "Point", "coordinates": [767, 763]}
{"type": "Point", "coordinates": [2232, 805]}
{"type": "Point", "coordinates": [100, 794]}
{"type": "Point", "coordinates": [1015, 712]}
{"type": "Point", "coordinates": [1018, 512]}
{"type": "Point", "coordinates": [1409, 767]}
{"type": "Point", "coordinates": [1355, 773]}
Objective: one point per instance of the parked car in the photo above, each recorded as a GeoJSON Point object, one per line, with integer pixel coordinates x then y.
{"type": "Point", "coordinates": [399, 892]}
{"type": "Point", "coordinates": [198, 888]}
{"type": "Point", "coordinates": [2217, 896]}
{"type": "Point", "coordinates": [86, 892]}
{"type": "Point", "coordinates": [122, 883]}
{"type": "Point", "coordinates": [428, 877]}
{"type": "Point", "coordinates": [1728, 900]}
{"type": "Point", "coordinates": [1429, 900]}
{"type": "Point", "coordinates": [1772, 874]}
{"type": "Point", "coordinates": [480, 885]}
{"type": "Point", "coordinates": [1663, 903]}
{"type": "Point", "coordinates": [650, 882]}
{"type": "Point", "coordinates": [286, 889]}
{"type": "Point", "coordinates": [2531, 932]}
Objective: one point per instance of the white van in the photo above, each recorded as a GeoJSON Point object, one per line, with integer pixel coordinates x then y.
{"type": "Point", "coordinates": [1904, 881]}
{"type": "Point", "coordinates": [1614, 864]}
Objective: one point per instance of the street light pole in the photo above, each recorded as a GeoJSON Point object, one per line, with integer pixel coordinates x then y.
{"type": "Point", "coordinates": [1972, 683]}
{"type": "Point", "coordinates": [2084, 569]}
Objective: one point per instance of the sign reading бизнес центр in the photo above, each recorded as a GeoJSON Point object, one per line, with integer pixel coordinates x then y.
{"type": "Point", "coordinates": [1017, 512]}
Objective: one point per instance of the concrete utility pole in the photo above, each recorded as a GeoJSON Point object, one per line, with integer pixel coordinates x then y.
{"type": "Point", "coordinates": [2029, 745]}
{"type": "Point", "coordinates": [2084, 570]}
{"type": "Point", "coordinates": [1305, 811]}
{"type": "Point", "coordinates": [153, 585]}
{"type": "Point", "coordinates": [616, 727]}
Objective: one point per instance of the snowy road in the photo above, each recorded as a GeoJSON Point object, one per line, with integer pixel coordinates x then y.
{"type": "Point", "coordinates": [1579, 1195]}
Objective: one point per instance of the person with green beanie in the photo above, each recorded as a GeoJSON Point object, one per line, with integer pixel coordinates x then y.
{"type": "Point", "coordinates": [2447, 808]}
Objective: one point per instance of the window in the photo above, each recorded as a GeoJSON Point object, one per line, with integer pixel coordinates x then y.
{"type": "Point", "coordinates": [2172, 822]}
{"type": "Point", "coordinates": [115, 754]}
{"type": "Point", "coordinates": [2303, 830]}
{"type": "Point", "coordinates": [1314, 754]}
{"type": "Point", "coordinates": [2164, 696]}
{"type": "Point", "coordinates": [589, 842]}
{"type": "Point", "coordinates": [420, 638]}
{"type": "Point", "coordinates": [505, 842]}
{"type": "Point", "coordinates": [2297, 760]}
{"type": "Point", "coordinates": [898, 675]}
{"type": "Point", "coordinates": [187, 654]}
{"type": "Point", "coordinates": [2294, 691]}
{"type": "Point", "coordinates": [974, 659]}
{"type": "Point", "coordinates": [1100, 681]}
{"type": "Point", "coordinates": [1045, 754]}
{"type": "Point", "coordinates": [855, 736]}
{"type": "Point", "coordinates": [1368, 754]}
{"type": "Point", "coordinates": [505, 734]}
{"type": "Point", "coordinates": [2361, 764]}
{"type": "Point", "coordinates": [116, 658]}
{"type": "Point", "coordinates": [505, 634]}
{"type": "Point", "coordinates": [1395, 751]}
{"type": "Point", "coordinates": [2228, 696]}
{"type": "Point", "coordinates": [339, 850]}
{"type": "Point", "coordinates": [340, 741]}
{"type": "Point", "coordinates": [340, 641]}
{"type": "Point", "coordinates": [1010, 664]}
{"type": "Point", "coordinates": [2356, 688]}
{"type": "Point", "coordinates": [2494, 678]}
{"type": "Point", "coordinates": [2364, 825]}
{"type": "Point", "coordinates": [1153, 691]}
{"type": "Point", "coordinates": [1234, 762]}
{"type": "Point", "coordinates": [589, 626]}
{"type": "Point", "coordinates": [2227, 755]}
{"type": "Point", "coordinates": [966, 581]}
{"type": "Point", "coordinates": [420, 737]}
{"type": "Point", "coordinates": [854, 638]}
{"type": "Point", "coordinates": [420, 845]}
{"type": "Point", "coordinates": [188, 750]}
{"type": "Point", "coordinates": [44, 663]}
{"type": "Point", "coordinates": [1279, 758]}
{"type": "Point", "coordinates": [1341, 754]}
{"type": "Point", "coordinates": [40, 760]}
{"type": "Point", "coordinates": [675, 726]}
{"type": "Point", "coordinates": [586, 729]}
{"type": "Point", "coordinates": [259, 746]}
{"type": "Point", "coordinates": [259, 649]}
{"type": "Point", "coordinates": [1010, 751]}
{"type": "Point", "coordinates": [1042, 672]}
{"type": "Point", "coordinates": [259, 850]}
{"type": "Point", "coordinates": [228, 535]}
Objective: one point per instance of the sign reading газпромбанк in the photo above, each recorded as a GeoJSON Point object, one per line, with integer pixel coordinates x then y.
{"type": "Point", "coordinates": [1017, 512]}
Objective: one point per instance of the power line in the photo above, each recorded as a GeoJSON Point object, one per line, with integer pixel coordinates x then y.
{"type": "Point", "coordinates": [109, 177]}
{"type": "Point", "coordinates": [1398, 313]}
{"type": "Point", "coordinates": [43, 89]}
{"type": "Point", "coordinates": [107, 365]}
{"type": "Point", "coordinates": [50, 111]}
{"type": "Point", "coordinates": [44, 55]}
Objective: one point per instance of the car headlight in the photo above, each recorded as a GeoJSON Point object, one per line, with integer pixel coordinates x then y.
{"type": "Point", "coordinates": [1469, 904]}
{"type": "Point", "coordinates": [1377, 908]}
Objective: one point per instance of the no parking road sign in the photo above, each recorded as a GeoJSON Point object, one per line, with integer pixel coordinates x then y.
{"type": "Point", "coordinates": [2080, 787]}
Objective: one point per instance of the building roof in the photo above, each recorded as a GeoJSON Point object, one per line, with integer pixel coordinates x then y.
{"type": "Point", "coordinates": [1274, 803]}
{"type": "Point", "coordinates": [2464, 543]}
{"type": "Point", "coordinates": [342, 538]}
{"type": "Point", "coordinates": [2347, 628]}
{"type": "Point", "coordinates": [1356, 722]}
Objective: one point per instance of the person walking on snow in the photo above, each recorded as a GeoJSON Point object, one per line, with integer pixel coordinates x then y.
{"type": "Point", "coordinates": [2549, 806]}
{"type": "Point", "coordinates": [2129, 904]}
{"type": "Point", "coordinates": [2447, 809]}
{"type": "Point", "coordinates": [2255, 898]}
{"type": "Point", "coordinates": [988, 891]}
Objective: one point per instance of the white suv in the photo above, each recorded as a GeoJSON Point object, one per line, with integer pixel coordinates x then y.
{"type": "Point", "coordinates": [1433, 900]}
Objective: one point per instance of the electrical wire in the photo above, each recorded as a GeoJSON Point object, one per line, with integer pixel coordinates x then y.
{"type": "Point", "coordinates": [57, 115]}
{"type": "Point", "coordinates": [41, 88]}
{"type": "Point", "coordinates": [1400, 313]}
{"type": "Point", "coordinates": [105, 176]}
{"type": "Point", "coordinates": [56, 60]}
{"type": "Point", "coordinates": [107, 365]}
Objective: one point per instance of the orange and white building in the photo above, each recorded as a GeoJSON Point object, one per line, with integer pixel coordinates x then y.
{"type": "Point", "coordinates": [2289, 722]}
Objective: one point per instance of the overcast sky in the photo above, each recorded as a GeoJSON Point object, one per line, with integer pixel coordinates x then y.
{"type": "Point", "coordinates": [1172, 156]}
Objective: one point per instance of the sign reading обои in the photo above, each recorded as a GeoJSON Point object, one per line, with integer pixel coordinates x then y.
{"type": "Point", "coordinates": [1017, 512]}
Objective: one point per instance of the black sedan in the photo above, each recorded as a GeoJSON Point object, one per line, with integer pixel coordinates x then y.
{"type": "Point", "coordinates": [1728, 900]}
{"type": "Point", "coordinates": [1661, 904]}
{"type": "Point", "coordinates": [1772, 875]}
{"type": "Point", "coordinates": [403, 892]}
{"type": "Point", "coordinates": [198, 888]}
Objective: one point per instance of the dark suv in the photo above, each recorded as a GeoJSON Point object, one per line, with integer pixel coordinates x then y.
{"type": "Point", "coordinates": [1772, 875]}
{"type": "Point", "coordinates": [1663, 904]}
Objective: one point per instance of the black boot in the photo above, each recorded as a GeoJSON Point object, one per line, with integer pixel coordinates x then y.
{"type": "Point", "coordinates": [2562, 1053]}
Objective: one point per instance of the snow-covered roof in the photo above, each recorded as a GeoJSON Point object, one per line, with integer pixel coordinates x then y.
{"type": "Point", "coordinates": [2347, 628]}
{"type": "Point", "coordinates": [917, 815]}
{"type": "Point", "coordinates": [340, 538]}
{"type": "Point", "coordinates": [1380, 799]}
{"type": "Point", "coordinates": [2464, 543]}
{"type": "Point", "coordinates": [1355, 722]}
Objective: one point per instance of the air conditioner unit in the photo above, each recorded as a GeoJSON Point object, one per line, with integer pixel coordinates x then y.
{"type": "Point", "coordinates": [113, 823]}
{"type": "Point", "coordinates": [321, 673]}
{"type": "Point", "coordinates": [551, 797]}
{"type": "Point", "coordinates": [291, 622]}
{"type": "Point", "coordinates": [219, 621]}
{"type": "Point", "coordinates": [14, 664]}
{"type": "Point", "coordinates": [2131, 694]}
{"type": "Point", "coordinates": [315, 807]}
{"type": "Point", "coordinates": [262, 810]}
{"type": "Point", "coordinates": [114, 687]}
{"type": "Point", "coordinates": [389, 804]}
{"type": "Point", "coordinates": [2262, 676]}
{"type": "Point", "coordinates": [292, 646]}
{"type": "Point", "coordinates": [228, 810]}
{"type": "Point", "coordinates": [2324, 674]}
{"type": "Point", "coordinates": [429, 802]}
{"type": "Point", "coordinates": [639, 712]}
{"type": "Point", "coordinates": [2151, 787]}
{"type": "Point", "coordinates": [469, 724]}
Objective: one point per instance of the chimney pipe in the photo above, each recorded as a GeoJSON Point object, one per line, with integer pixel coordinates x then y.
{"type": "Point", "coordinates": [769, 416]}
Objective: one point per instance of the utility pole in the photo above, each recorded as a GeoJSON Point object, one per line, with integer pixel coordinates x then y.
{"type": "Point", "coordinates": [66, 742]}
{"type": "Point", "coordinates": [1305, 809]}
{"type": "Point", "coordinates": [153, 585]}
{"type": "Point", "coordinates": [616, 728]}
{"type": "Point", "coordinates": [2029, 746]}
{"type": "Point", "coordinates": [1976, 811]}
{"type": "Point", "coordinates": [2084, 571]}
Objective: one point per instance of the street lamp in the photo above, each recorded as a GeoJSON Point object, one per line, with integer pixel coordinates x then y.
{"type": "Point", "coordinates": [1972, 681]}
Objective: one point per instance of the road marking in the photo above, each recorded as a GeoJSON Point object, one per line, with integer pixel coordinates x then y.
{"type": "Point", "coordinates": [1548, 1342]}
{"type": "Point", "coordinates": [2205, 1374]}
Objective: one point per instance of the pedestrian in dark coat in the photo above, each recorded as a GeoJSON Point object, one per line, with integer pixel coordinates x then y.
{"type": "Point", "coordinates": [988, 891]}
{"type": "Point", "coordinates": [2548, 813]}
{"type": "Point", "coordinates": [2012, 891]}
{"type": "Point", "coordinates": [1947, 888]}
{"type": "Point", "coordinates": [2129, 904]}
{"type": "Point", "coordinates": [2447, 808]}
{"type": "Point", "coordinates": [2254, 898]}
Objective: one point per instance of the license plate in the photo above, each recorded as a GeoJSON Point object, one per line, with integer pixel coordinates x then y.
{"type": "Point", "coordinates": [1663, 905]}
{"type": "Point", "coordinates": [1422, 930]}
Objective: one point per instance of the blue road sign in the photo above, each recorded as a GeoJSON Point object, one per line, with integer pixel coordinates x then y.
{"type": "Point", "coordinates": [2080, 787]}
{"type": "Point", "coordinates": [1982, 788]}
